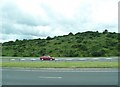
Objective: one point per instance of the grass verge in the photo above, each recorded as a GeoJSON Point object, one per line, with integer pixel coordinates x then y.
{"type": "Point", "coordinates": [61, 64]}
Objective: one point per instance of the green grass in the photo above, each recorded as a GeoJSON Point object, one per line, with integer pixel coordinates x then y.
{"type": "Point", "coordinates": [61, 64]}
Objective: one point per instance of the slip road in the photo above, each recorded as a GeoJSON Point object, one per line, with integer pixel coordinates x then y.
{"type": "Point", "coordinates": [31, 59]}
{"type": "Point", "coordinates": [85, 76]}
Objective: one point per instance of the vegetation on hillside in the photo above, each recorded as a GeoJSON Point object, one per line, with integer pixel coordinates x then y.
{"type": "Point", "coordinates": [85, 44]}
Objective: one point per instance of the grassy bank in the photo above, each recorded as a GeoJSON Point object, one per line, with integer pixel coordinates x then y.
{"type": "Point", "coordinates": [61, 64]}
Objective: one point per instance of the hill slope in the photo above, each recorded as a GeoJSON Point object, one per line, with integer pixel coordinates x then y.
{"type": "Point", "coordinates": [86, 44]}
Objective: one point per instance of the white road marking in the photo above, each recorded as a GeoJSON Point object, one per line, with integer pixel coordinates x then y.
{"type": "Point", "coordinates": [56, 59]}
{"type": "Point", "coordinates": [68, 59]}
{"type": "Point", "coordinates": [82, 59]}
{"type": "Point", "coordinates": [108, 58]}
{"type": "Point", "coordinates": [22, 59]}
{"type": "Point", "coordinates": [47, 77]}
{"type": "Point", "coordinates": [32, 59]}
{"type": "Point", "coordinates": [12, 59]}
{"type": "Point", "coordinates": [95, 58]}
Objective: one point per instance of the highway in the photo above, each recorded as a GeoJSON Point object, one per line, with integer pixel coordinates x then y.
{"type": "Point", "coordinates": [84, 76]}
{"type": "Point", "coordinates": [28, 59]}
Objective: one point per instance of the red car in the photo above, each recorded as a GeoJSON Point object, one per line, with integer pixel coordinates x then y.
{"type": "Point", "coordinates": [46, 58]}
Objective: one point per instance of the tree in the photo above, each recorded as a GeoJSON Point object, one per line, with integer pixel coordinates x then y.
{"type": "Point", "coordinates": [105, 31]}
{"type": "Point", "coordinates": [48, 38]}
{"type": "Point", "coordinates": [42, 51]}
{"type": "Point", "coordinates": [70, 33]}
{"type": "Point", "coordinates": [70, 53]}
{"type": "Point", "coordinates": [98, 53]}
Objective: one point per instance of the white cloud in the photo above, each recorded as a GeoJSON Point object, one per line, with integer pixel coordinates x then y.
{"type": "Point", "coordinates": [28, 19]}
{"type": "Point", "coordinates": [106, 12]}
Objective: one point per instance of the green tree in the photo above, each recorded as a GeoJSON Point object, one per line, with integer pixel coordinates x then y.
{"type": "Point", "coordinates": [105, 31]}
{"type": "Point", "coordinates": [48, 38]}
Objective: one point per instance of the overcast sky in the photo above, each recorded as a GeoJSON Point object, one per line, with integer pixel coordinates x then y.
{"type": "Point", "coordinates": [30, 19]}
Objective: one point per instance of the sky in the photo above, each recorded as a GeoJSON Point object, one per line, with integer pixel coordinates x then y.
{"type": "Point", "coordinates": [32, 19]}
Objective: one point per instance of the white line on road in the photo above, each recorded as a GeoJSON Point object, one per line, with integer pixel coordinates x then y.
{"type": "Point", "coordinates": [82, 59]}
{"type": "Point", "coordinates": [68, 59]}
{"type": "Point", "coordinates": [22, 59]}
{"type": "Point", "coordinates": [12, 59]}
{"type": "Point", "coordinates": [47, 77]}
{"type": "Point", "coordinates": [108, 58]}
{"type": "Point", "coordinates": [95, 58]}
{"type": "Point", "coordinates": [33, 59]}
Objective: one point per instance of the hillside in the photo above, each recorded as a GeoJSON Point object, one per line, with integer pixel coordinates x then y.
{"type": "Point", "coordinates": [85, 44]}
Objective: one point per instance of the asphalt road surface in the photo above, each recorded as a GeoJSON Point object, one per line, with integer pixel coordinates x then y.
{"type": "Point", "coordinates": [22, 59]}
{"type": "Point", "coordinates": [84, 76]}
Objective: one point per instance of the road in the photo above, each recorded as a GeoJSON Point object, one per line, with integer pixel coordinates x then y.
{"type": "Point", "coordinates": [84, 76]}
{"type": "Point", "coordinates": [28, 59]}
